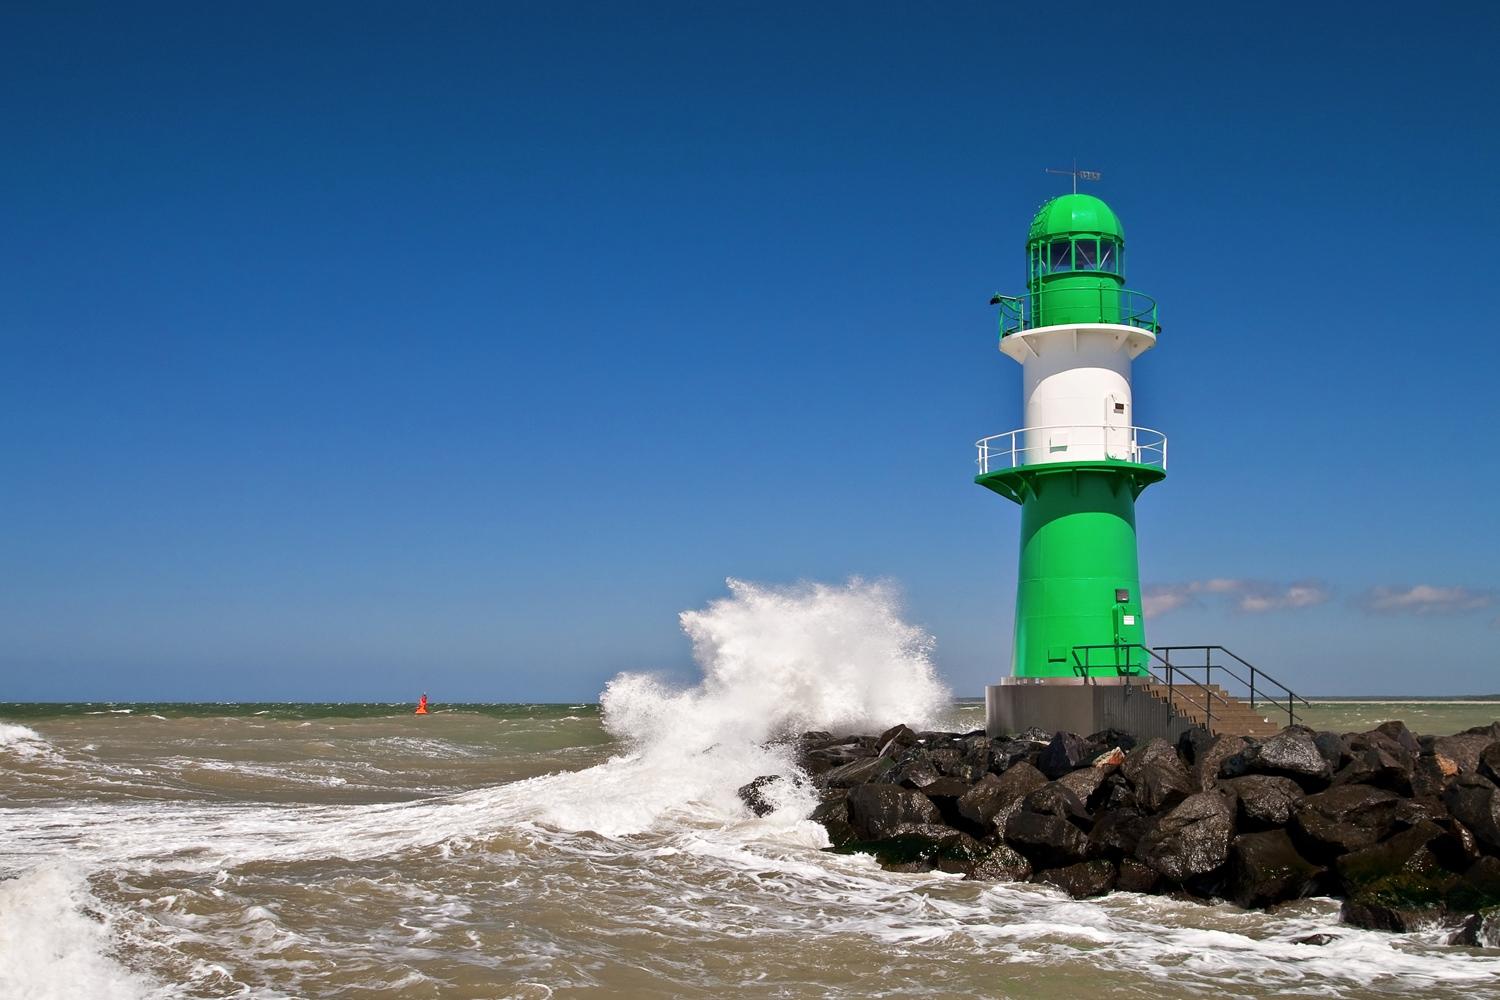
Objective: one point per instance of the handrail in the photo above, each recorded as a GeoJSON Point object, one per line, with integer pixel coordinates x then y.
{"type": "Point", "coordinates": [1104, 442]}
{"type": "Point", "coordinates": [1256, 674]}
{"type": "Point", "coordinates": [1081, 669]}
{"type": "Point", "coordinates": [1028, 310]}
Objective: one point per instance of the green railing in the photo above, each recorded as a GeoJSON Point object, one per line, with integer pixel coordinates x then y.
{"type": "Point", "coordinates": [1067, 305]}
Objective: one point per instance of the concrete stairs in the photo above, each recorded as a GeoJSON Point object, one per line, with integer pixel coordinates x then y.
{"type": "Point", "coordinates": [1230, 715]}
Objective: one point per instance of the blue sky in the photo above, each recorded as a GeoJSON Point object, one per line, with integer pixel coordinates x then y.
{"type": "Point", "coordinates": [352, 350]}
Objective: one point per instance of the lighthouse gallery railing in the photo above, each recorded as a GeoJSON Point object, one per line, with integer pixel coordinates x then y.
{"type": "Point", "coordinates": [1072, 442]}
{"type": "Point", "coordinates": [1059, 306]}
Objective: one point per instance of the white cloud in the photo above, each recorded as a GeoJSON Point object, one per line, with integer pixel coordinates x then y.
{"type": "Point", "coordinates": [1249, 596]}
{"type": "Point", "coordinates": [1424, 599]}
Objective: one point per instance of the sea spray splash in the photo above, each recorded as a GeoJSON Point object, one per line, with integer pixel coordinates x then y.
{"type": "Point", "coordinates": [775, 661]}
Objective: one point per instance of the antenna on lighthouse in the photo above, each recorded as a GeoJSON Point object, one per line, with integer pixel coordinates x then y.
{"type": "Point", "coordinates": [1077, 175]}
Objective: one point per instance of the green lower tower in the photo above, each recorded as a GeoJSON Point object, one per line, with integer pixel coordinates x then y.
{"type": "Point", "coordinates": [1079, 579]}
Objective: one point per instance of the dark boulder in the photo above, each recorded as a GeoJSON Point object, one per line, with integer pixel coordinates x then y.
{"type": "Point", "coordinates": [1191, 840]}
{"type": "Point", "coordinates": [1400, 885]}
{"type": "Point", "coordinates": [915, 771]}
{"type": "Point", "coordinates": [1489, 763]}
{"type": "Point", "coordinates": [894, 739]}
{"type": "Point", "coordinates": [1266, 869]}
{"type": "Point", "coordinates": [1063, 754]}
{"type": "Point", "coordinates": [1053, 799]}
{"type": "Point", "coordinates": [1389, 857]}
{"type": "Point", "coordinates": [1209, 757]}
{"type": "Point", "coordinates": [1458, 848]}
{"type": "Point", "coordinates": [1117, 833]}
{"type": "Point", "coordinates": [1343, 819]}
{"type": "Point", "coordinates": [1479, 930]}
{"type": "Point", "coordinates": [1431, 774]}
{"type": "Point", "coordinates": [1136, 877]}
{"type": "Point", "coordinates": [921, 849]}
{"type": "Point", "coordinates": [1387, 739]}
{"type": "Point", "coordinates": [1463, 749]}
{"type": "Point", "coordinates": [946, 793]}
{"type": "Point", "coordinates": [947, 790]}
{"type": "Point", "coordinates": [1002, 864]}
{"type": "Point", "coordinates": [757, 794]}
{"type": "Point", "coordinates": [1372, 914]}
{"type": "Point", "coordinates": [1085, 782]}
{"type": "Point", "coordinates": [966, 772]}
{"type": "Point", "coordinates": [1331, 746]}
{"type": "Point", "coordinates": [833, 813]}
{"type": "Point", "coordinates": [878, 812]}
{"type": "Point", "coordinates": [1083, 880]}
{"type": "Point", "coordinates": [857, 772]}
{"type": "Point", "coordinates": [1157, 776]}
{"type": "Point", "coordinates": [818, 752]}
{"type": "Point", "coordinates": [1479, 888]}
{"type": "Point", "coordinates": [1378, 766]}
{"type": "Point", "coordinates": [1316, 940]}
{"type": "Point", "coordinates": [1116, 793]}
{"type": "Point", "coordinates": [993, 799]}
{"type": "Point", "coordinates": [1005, 754]}
{"type": "Point", "coordinates": [1399, 734]}
{"type": "Point", "coordinates": [1108, 739]}
{"type": "Point", "coordinates": [1265, 800]}
{"type": "Point", "coordinates": [1192, 743]}
{"type": "Point", "coordinates": [1291, 753]}
{"type": "Point", "coordinates": [950, 762]}
{"type": "Point", "coordinates": [958, 854]}
{"type": "Point", "coordinates": [1047, 841]}
{"type": "Point", "coordinates": [1475, 802]}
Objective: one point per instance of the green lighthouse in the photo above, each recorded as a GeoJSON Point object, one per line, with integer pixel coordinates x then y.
{"type": "Point", "coordinates": [1079, 462]}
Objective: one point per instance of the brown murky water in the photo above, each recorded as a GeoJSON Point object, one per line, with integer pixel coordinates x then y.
{"type": "Point", "coordinates": [522, 852]}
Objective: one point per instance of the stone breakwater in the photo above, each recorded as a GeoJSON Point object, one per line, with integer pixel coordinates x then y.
{"type": "Point", "coordinates": [1404, 829]}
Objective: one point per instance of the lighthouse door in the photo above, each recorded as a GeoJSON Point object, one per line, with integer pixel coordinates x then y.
{"type": "Point", "coordinates": [1128, 632]}
{"type": "Point", "coordinates": [1117, 437]}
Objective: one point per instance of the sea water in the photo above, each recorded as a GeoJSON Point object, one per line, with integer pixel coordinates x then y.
{"type": "Point", "coordinates": [531, 851]}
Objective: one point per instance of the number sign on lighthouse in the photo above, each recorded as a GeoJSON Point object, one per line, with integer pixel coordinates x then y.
{"type": "Point", "coordinates": [1079, 461]}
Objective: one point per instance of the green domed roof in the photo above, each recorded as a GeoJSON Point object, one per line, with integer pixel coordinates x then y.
{"type": "Point", "coordinates": [1075, 213]}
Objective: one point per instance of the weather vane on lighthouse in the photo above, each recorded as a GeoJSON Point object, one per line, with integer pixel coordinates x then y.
{"type": "Point", "coordinates": [1076, 174]}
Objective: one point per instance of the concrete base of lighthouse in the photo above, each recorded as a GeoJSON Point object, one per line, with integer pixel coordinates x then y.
{"type": "Point", "coordinates": [1082, 705]}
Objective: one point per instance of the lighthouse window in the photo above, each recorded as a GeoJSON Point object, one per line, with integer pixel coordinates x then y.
{"type": "Point", "coordinates": [1060, 256]}
{"type": "Point", "coordinates": [1107, 256]}
{"type": "Point", "coordinates": [1086, 255]}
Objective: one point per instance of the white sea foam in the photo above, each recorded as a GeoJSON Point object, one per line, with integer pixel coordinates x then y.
{"type": "Point", "coordinates": [22, 742]}
{"type": "Point", "coordinates": [55, 939]}
{"type": "Point", "coordinates": [776, 660]}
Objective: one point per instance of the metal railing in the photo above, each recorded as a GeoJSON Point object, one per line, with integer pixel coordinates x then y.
{"type": "Point", "coordinates": [1072, 443]}
{"type": "Point", "coordinates": [1175, 677]}
{"type": "Point", "coordinates": [1140, 672]}
{"type": "Point", "coordinates": [1258, 684]}
{"type": "Point", "coordinates": [1060, 306]}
